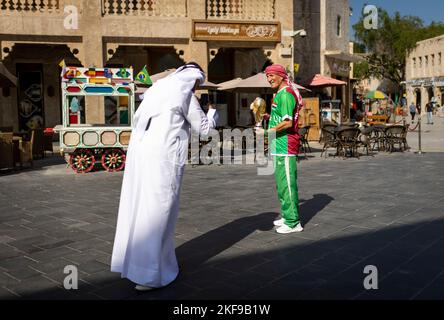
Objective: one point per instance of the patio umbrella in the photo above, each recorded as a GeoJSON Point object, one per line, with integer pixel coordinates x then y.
{"type": "Point", "coordinates": [319, 80]}
{"type": "Point", "coordinates": [376, 94]}
{"type": "Point", "coordinates": [7, 79]}
{"type": "Point", "coordinates": [229, 83]}
{"type": "Point", "coordinates": [252, 84]}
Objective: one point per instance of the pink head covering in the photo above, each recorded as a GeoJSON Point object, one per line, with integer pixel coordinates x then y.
{"type": "Point", "coordinates": [277, 69]}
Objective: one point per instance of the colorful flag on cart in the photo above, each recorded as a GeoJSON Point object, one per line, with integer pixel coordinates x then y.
{"type": "Point", "coordinates": [144, 77]}
{"type": "Point", "coordinates": [62, 63]}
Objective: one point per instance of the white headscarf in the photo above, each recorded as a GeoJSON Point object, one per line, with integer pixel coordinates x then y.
{"type": "Point", "coordinates": [172, 92]}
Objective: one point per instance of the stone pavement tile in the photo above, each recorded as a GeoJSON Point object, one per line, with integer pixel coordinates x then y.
{"type": "Point", "coordinates": [174, 291]}
{"type": "Point", "coordinates": [395, 291]}
{"type": "Point", "coordinates": [102, 278]}
{"type": "Point", "coordinates": [393, 232]}
{"type": "Point", "coordinates": [334, 290]}
{"type": "Point", "coordinates": [93, 266]}
{"type": "Point", "coordinates": [324, 272]}
{"type": "Point", "coordinates": [84, 257]}
{"type": "Point", "coordinates": [54, 244]}
{"type": "Point", "coordinates": [241, 263]}
{"type": "Point", "coordinates": [23, 272]}
{"type": "Point", "coordinates": [27, 245]}
{"type": "Point", "coordinates": [34, 286]}
{"type": "Point", "coordinates": [7, 295]}
{"type": "Point", "coordinates": [283, 245]}
{"type": "Point", "coordinates": [7, 280]}
{"type": "Point", "coordinates": [250, 280]}
{"type": "Point", "coordinates": [9, 264]}
{"type": "Point", "coordinates": [219, 291]}
{"type": "Point", "coordinates": [123, 289]}
{"type": "Point", "coordinates": [5, 239]}
{"type": "Point", "coordinates": [52, 266]}
{"type": "Point", "coordinates": [70, 234]}
{"type": "Point", "coordinates": [106, 260]}
{"type": "Point", "coordinates": [7, 252]}
{"type": "Point", "coordinates": [49, 254]}
{"type": "Point", "coordinates": [425, 235]}
{"type": "Point", "coordinates": [290, 287]}
{"type": "Point", "coordinates": [19, 232]}
{"type": "Point", "coordinates": [363, 247]}
{"type": "Point", "coordinates": [333, 264]}
{"type": "Point", "coordinates": [204, 277]}
{"type": "Point", "coordinates": [434, 291]}
{"type": "Point", "coordinates": [295, 258]}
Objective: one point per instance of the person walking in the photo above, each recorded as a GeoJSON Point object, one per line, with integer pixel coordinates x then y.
{"type": "Point", "coordinates": [283, 134]}
{"type": "Point", "coordinates": [429, 109]}
{"type": "Point", "coordinates": [144, 250]}
{"type": "Point", "coordinates": [412, 111]}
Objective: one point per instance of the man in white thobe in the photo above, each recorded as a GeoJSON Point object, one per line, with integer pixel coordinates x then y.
{"type": "Point", "coordinates": [144, 249]}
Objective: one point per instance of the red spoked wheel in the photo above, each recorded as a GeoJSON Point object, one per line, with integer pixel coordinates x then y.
{"type": "Point", "coordinates": [113, 160]}
{"type": "Point", "coordinates": [82, 160]}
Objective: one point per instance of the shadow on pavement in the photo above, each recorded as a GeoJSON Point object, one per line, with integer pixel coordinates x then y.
{"type": "Point", "coordinates": [309, 208]}
{"type": "Point", "coordinates": [408, 258]}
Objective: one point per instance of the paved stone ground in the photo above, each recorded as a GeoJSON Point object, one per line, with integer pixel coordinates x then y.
{"type": "Point", "coordinates": [384, 210]}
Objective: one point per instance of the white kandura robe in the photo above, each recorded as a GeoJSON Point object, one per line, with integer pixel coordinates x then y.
{"type": "Point", "coordinates": [144, 249]}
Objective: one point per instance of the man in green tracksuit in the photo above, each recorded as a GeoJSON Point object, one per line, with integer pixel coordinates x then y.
{"type": "Point", "coordinates": [284, 147]}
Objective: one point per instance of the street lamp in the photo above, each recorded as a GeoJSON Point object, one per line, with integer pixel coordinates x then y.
{"type": "Point", "coordinates": [292, 33]}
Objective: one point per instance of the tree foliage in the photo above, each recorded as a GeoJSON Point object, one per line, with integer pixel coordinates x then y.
{"type": "Point", "coordinates": [387, 46]}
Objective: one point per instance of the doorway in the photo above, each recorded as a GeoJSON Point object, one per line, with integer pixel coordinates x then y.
{"type": "Point", "coordinates": [30, 96]}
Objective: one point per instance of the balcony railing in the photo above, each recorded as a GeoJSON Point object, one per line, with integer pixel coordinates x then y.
{"type": "Point", "coordinates": [159, 8]}
{"type": "Point", "coordinates": [241, 9]}
{"type": "Point", "coordinates": [31, 6]}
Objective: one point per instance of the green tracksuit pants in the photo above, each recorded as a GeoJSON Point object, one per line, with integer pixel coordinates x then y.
{"type": "Point", "coordinates": [287, 189]}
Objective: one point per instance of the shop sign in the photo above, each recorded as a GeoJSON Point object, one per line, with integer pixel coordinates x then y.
{"type": "Point", "coordinates": [427, 82]}
{"type": "Point", "coordinates": [236, 31]}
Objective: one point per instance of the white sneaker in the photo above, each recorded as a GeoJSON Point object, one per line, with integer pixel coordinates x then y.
{"type": "Point", "coordinates": [286, 229]}
{"type": "Point", "coordinates": [143, 288]}
{"type": "Point", "coordinates": [279, 222]}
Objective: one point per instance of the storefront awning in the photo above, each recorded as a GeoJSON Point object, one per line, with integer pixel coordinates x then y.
{"type": "Point", "coordinates": [339, 55]}
{"type": "Point", "coordinates": [7, 79]}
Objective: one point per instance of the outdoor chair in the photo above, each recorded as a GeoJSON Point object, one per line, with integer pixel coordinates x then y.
{"type": "Point", "coordinates": [38, 148]}
{"type": "Point", "coordinates": [395, 135]}
{"type": "Point", "coordinates": [26, 149]}
{"type": "Point", "coordinates": [329, 127]}
{"type": "Point", "coordinates": [348, 142]}
{"type": "Point", "coordinates": [329, 139]}
{"type": "Point", "coordinates": [303, 139]}
{"type": "Point", "coordinates": [377, 138]}
{"type": "Point", "coordinates": [365, 139]}
{"type": "Point", "coordinates": [6, 150]}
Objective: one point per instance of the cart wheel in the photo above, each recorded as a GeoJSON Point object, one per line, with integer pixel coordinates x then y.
{"type": "Point", "coordinates": [82, 160]}
{"type": "Point", "coordinates": [113, 160]}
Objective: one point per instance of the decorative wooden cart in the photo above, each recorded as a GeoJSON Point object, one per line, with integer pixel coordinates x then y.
{"type": "Point", "coordinates": [83, 144]}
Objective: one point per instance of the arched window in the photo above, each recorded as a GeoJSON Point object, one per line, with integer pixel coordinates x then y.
{"type": "Point", "coordinates": [339, 26]}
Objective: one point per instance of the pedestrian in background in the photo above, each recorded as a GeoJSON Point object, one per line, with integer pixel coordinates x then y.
{"type": "Point", "coordinates": [429, 109]}
{"type": "Point", "coordinates": [412, 111]}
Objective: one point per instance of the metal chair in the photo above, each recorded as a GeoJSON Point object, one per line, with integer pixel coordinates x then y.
{"type": "Point", "coordinates": [396, 135]}
{"type": "Point", "coordinates": [364, 138]}
{"type": "Point", "coordinates": [303, 139]}
{"type": "Point", "coordinates": [329, 139]}
{"type": "Point", "coordinates": [348, 142]}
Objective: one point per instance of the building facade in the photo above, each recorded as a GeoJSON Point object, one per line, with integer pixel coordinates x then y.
{"type": "Point", "coordinates": [228, 38]}
{"type": "Point", "coordinates": [425, 72]}
{"type": "Point", "coordinates": [326, 50]}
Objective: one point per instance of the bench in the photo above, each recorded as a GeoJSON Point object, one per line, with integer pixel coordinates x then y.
{"type": "Point", "coordinates": [377, 119]}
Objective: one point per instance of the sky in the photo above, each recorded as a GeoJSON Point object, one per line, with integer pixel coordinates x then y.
{"type": "Point", "coordinates": [427, 10]}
